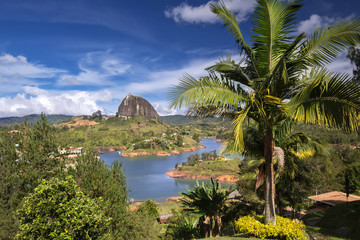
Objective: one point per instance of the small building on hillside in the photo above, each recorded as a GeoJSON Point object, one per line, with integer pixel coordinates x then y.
{"type": "Point", "coordinates": [235, 195]}
{"type": "Point", "coordinates": [165, 217]}
{"type": "Point", "coordinates": [71, 150]}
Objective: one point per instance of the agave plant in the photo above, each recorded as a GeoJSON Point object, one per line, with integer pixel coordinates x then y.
{"type": "Point", "coordinates": [281, 78]}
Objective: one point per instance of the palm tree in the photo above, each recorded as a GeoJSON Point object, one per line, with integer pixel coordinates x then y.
{"type": "Point", "coordinates": [209, 202]}
{"type": "Point", "coordinates": [281, 78]}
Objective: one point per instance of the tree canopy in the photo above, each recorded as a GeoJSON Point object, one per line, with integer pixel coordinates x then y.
{"type": "Point", "coordinates": [281, 78]}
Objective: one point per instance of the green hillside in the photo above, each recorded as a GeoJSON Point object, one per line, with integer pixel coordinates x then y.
{"type": "Point", "coordinates": [137, 133]}
{"type": "Point", "coordinates": [184, 120]}
{"type": "Point", "coordinates": [52, 118]}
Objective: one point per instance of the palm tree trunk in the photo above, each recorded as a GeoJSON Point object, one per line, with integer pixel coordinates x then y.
{"type": "Point", "coordinates": [207, 227]}
{"type": "Point", "coordinates": [269, 179]}
{"type": "Point", "coordinates": [217, 227]}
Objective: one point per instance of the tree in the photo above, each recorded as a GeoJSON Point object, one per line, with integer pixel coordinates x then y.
{"type": "Point", "coordinates": [96, 115]}
{"type": "Point", "coordinates": [209, 202]}
{"type": "Point", "coordinates": [58, 209]}
{"type": "Point", "coordinates": [349, 176]}
{"type": "Point", "coordinates": [196, 137]}
{"type": "Point", "coordinates": [281, 78]}
{"type": "Point", "coordinates": [150, 208]}
{"type": "Point", "coordinates": [26, 157]}
{"type": "Point", "coordinates": [98, 180]}
{"type": "Point", "coordinates": [179, 141]}
{"type": "Point", "coordinates": [354, 56]}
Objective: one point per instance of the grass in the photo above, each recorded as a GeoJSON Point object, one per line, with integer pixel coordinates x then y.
{"type": "Point", "coordinates": [213, 168]}
{"type": "Point", "coordinates": [166, 207]}
{"type": "Point", "coordinates": [229, 238]}
{"type": "Point", "coordinates": [338, 222]}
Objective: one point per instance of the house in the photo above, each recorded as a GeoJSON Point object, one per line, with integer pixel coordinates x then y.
{"type": "Point", "coordinates": [235, 195]}
{"type": "Point", "coordinates": [165, 217]}
{"type": "Point", "coordinates": [333, 198]}
{"type": "Point", "coordinates": [71, 150]}
{"type": "Point", "coordinates": [14, 131]}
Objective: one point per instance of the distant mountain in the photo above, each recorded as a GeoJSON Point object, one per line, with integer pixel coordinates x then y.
{"type": "Point", "coordinates": [52, 118]}
{"type": "Point", "coordinates": [183, 120]}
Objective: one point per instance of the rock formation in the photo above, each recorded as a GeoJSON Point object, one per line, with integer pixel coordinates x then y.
{"type": "Point", "coordinates": [132, 106]}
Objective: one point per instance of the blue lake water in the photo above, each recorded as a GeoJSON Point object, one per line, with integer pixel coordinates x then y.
{"type": "Point", "coordinates": [146, 178]}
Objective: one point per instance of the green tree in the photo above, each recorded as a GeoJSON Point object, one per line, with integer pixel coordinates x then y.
{"type": "Point", "coordinates": [350, 172]}
{"type": "Point", "coordinates": [150, 208]}
{"type": "Point", "coordinates": [179, 141]}
{"type": "Point", "coordinates": [354, 56]}
{"type": "Point", "coordinates": [58, 209]}
{"type": "Point", "coordinates": [96, 115]}
{"type": "Point", "coordinates": [108, 183]}
{"type": "Point", "coordinates": [26, 157]}
{"type": "Point", "coordinates": [280, 78]}
{"type": "Point", "coordinates": [196, 137]}
{"type": "Point", "coordinates": [209, 202]}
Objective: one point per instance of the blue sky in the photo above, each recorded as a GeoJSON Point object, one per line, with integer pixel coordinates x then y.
{"type": "Point", "coordinates": [75, 57]}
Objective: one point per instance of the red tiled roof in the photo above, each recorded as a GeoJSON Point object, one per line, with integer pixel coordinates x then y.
{"type": "Point", "coordinates": [334, 198]}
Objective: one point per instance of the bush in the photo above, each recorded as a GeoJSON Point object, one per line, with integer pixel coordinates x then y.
{"type": "Point", "coordinates": [150, 208]}
{"type": "Point", "coordinates": [284, 228]}
{"type": "Point", "coordinates": [58, 209]}
{"type": "Point", "coordinates": [182, 226]}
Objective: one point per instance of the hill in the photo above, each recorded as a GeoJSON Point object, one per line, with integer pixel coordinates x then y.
{"type": "Point", "coordinates": [132, 135]}
{"type": "Point", "coordinates": [52, 118]}
{"type": "Point", "coordinates": [184, 120]}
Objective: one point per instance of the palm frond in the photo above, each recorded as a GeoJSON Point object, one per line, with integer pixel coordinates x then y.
{"type": "Point", "coordinates": [328, 99]}
{"type": "Point", "coordinates": [231, 70]}
{"type": "Point", "coordinates": [238, 130]}
{"type": "Point", "coordinates": [232, 25]}
{"type": "Point", "coordinates": [285, 70]}
{"type": "Point", "coordinates": [326, 43]}
{"type": "Point", "coordinates": [206, 91]}
{"type": "Point", "coordinates": [273, 22]}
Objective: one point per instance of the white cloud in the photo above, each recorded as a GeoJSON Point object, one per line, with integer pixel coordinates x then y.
{"type": "Point", "coordinates": [12, 67]}
{"type": "Point", "coordinates": [35, 100]}
{"type": "Point", "coordinates": [314, 22]}
{"type": "Point", "coordinates": [96, 68]}
{"type": "Point", "coordinates": [342, 65]}
{"type": "Point", "coordinates": [163, 109]}
{"type": "Point", "coordinates": [159, 82]}
{"type": "Point", "coordinates": [202, 13]}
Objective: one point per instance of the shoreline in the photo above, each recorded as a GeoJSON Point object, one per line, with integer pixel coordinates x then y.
{"type": "Point", "coordinates": [230, 178]}
{"type": "Point", "coordinates": [161, 153]}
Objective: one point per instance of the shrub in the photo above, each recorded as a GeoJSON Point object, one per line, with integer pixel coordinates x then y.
{"type": "Point", "coordinates": [59, 209]}
{"type": "Point", "coordinates": [150, 208]}
{"type": "Point", "coordinates": [284, 229]}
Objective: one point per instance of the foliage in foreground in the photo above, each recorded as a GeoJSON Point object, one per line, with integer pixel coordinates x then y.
{"type": "Point", "coordinates": [209, 202]}
{"type": "Point", "coordinates": [58, 209]}
{"type": "Point", "coordinates": [284, 228]}
{"type": "Point", "coordinates": [182, 226]}
{"type": "Point", "coordinates": [30, 156]}
{"type": "Point", "coordinates": [98, 180]}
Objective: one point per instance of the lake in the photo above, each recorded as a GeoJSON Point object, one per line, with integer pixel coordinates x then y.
{"type": "Point", "coordinates": [146, 178]}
